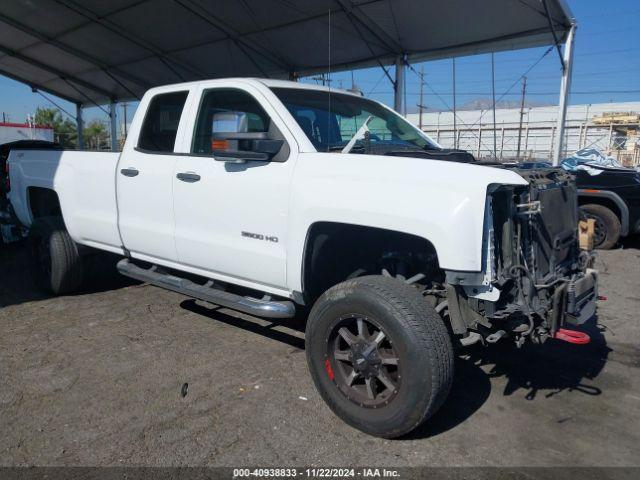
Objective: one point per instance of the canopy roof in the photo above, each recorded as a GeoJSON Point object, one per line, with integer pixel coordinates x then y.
{"type": "Point", "coordinates": [92, 51]}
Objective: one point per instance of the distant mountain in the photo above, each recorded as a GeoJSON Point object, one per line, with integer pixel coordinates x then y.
{"type": "Point", "coordinates": [486, 104]}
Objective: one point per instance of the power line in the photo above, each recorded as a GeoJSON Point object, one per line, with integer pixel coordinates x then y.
{"type": "Point", "coordinates": [525, 60]}
{"type": "Point", "coordinates": [544, 76]}
{"type": "Point", "coordinates": [455, 115]}
{"type": "Point", "coordinates": [611, 13]}
{"type": "Point", "coordinates": [55, 104]}
{"type": "Point", "coordinates": [384, 74]}
{"type": "Point", "coordinates": [590, 92]}
{"type": "Point", "coordinates": [526, 72]}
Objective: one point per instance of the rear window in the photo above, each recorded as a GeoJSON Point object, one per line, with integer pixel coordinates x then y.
{"type": "Point", "coordinates": [160, 126]}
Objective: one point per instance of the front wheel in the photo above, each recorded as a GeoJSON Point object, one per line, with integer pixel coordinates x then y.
{"type": "Point", "coordinates": [380, 357]}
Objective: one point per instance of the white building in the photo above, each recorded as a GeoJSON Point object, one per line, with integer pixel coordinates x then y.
{"type": "Point", "coordinates": [11, 132]}
{"type": "Point", "coordinates": [474, 130]}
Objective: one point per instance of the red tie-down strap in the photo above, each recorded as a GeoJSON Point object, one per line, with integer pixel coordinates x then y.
{"type": "Point", "coordinates": [572, 336]}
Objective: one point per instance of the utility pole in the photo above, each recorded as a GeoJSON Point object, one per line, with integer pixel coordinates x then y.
{"type": "Point", "coordinates": [455, 125]}
{"type": "Point", "coordinates": [421, 106]}
{"type": "Point", "coordinates": [399, 86]}
{"type": "Point", "coordinates": [80, 126]}
{"type": "Point", "coordinates": [524, 92]}
{"type": "Point", "coordinates": [479, 134]}
{"type": "Point", "coordinates": [124, 115]}
{"type": "Point", "coordinates": [586, 126]}
{"type": "Point", "coordinates": [113, 136]}
{"type": "Point", "coordinates": [493, 94]}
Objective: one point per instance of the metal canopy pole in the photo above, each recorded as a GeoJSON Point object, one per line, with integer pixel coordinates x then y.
{"type": "Point", "coordinates": [565, 86]}
{"type": "Point", "coordinates": [80, 126]}
{"type": "Point", "coordinates": [114, 126]}
{"type": "Point", "coordinates": [398, 86]}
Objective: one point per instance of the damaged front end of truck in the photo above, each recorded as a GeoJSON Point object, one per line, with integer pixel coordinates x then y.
{"type": "Point", "coordinates": [536, 282]}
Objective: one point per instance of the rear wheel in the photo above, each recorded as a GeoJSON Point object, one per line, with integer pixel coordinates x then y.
{"type": "Point", "coordinates": [55, 264]}
{"type": "Point", "coordinates": [380, 357]}
{"type": "Point", "coordinates": [607, 225]}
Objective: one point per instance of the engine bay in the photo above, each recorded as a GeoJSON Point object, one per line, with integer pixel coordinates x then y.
{"type": "Point", "coordinates": [535, 262]}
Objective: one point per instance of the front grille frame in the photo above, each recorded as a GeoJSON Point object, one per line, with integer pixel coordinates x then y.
{"type": "Point", "coordinates": [549, 239]}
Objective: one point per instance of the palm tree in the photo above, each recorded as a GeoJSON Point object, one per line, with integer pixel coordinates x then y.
{"type": "Point", "coordinates": [64, 130]}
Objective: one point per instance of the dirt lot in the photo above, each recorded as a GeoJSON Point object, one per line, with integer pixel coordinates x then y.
{"type": "Point", "coordinates": [96, 378]}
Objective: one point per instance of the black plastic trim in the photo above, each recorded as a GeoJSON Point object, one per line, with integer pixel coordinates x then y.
{"type": "Point", "coordinates": [188, 177]}
{"type": "Point", "coordinates": [129, 172]}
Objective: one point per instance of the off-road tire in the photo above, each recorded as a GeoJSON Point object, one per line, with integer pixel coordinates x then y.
{"type": "Point", "coordinates": [417, 332]}
{"type": "Point", "coordinates": [55, 265]}
{"type": "Point", "coordinates": [607, 221]}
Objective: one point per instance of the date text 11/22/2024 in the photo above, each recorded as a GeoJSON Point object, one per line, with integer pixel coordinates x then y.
{"type": "Point", "coordinates": [315, 472]}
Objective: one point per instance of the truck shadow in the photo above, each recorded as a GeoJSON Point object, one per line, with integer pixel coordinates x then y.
{"type": "Point", "coordinates": [537, 371]}
{"type": "Point", "coordinates": [16, 285]}
{"type": "Point", "coordinates": [289, 331]}
{"type": "Point", "coordinates": [632, 241]}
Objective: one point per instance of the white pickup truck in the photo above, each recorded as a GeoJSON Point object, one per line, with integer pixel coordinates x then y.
{"type": "Point", "coordinates": [264, 195]}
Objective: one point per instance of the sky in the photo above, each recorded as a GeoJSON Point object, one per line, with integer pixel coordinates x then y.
{"type": "Point", "coordinates": [606, 69]}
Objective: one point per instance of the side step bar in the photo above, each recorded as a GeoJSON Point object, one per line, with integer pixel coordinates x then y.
{"type": "Point", "coordinates": [208, 293]}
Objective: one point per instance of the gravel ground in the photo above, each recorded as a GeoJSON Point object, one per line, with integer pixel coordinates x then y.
{"type": "Point", "coordinates": [96, 379]}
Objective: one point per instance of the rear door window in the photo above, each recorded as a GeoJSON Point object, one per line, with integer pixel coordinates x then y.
{"type": "Point", "coordinates": [160, 126]}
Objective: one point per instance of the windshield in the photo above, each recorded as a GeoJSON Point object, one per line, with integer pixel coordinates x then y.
{"type": "Point", "coordinates": [330, 121]}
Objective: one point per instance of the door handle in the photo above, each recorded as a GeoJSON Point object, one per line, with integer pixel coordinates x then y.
{"type": "Point", "coordinates": [188, 177]}
{"type": "Point", "coordinates": [129, 172]}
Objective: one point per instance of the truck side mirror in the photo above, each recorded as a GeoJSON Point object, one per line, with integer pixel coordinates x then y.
{"type": "Point", "coordinates": [251, 146]}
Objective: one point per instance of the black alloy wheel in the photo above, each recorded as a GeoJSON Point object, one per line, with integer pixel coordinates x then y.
{"type": "Point", "coordinates": [366, 366]}
{"type": "Point", "coordinates": [379, 355]}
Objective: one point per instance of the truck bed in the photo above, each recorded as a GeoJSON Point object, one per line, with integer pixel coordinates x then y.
{"type": "Point", "coordinates": [84, 183]}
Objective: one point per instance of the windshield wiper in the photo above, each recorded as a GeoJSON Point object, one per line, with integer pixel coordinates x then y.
{"type": "Point", "coordinates": [359, 135]}
{"type": "Point", "coordinates": [333, 148]}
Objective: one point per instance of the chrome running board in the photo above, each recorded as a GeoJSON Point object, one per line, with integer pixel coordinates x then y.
{"type": "Point", "coordinates": [253, 306]}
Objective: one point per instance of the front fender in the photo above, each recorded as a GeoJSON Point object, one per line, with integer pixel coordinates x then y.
{"type": "Point", "coordinates": [440, 201]}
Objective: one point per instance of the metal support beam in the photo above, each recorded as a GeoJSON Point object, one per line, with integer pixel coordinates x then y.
{"type": "Point", "coordinates": [398, 86]}
{"type": "Point", "coordinates": [234, 35]}
{"type": "Point", "coordinates": [53, 70]}
{"type": "Point", "coordinates": [36, 86]}
{"type": "Point", "coordinates": [354, 12]}
{"type": "Point", "coordinates": [114, 126]}
{"type": "Point", "coordinates": [73, 51]}
{"type": "Point", "coordinates": [565, 86]}
{"type": "Point", "coordinates": [79, 9]}
{"type": "Point", "coordinates": [80, 126]}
